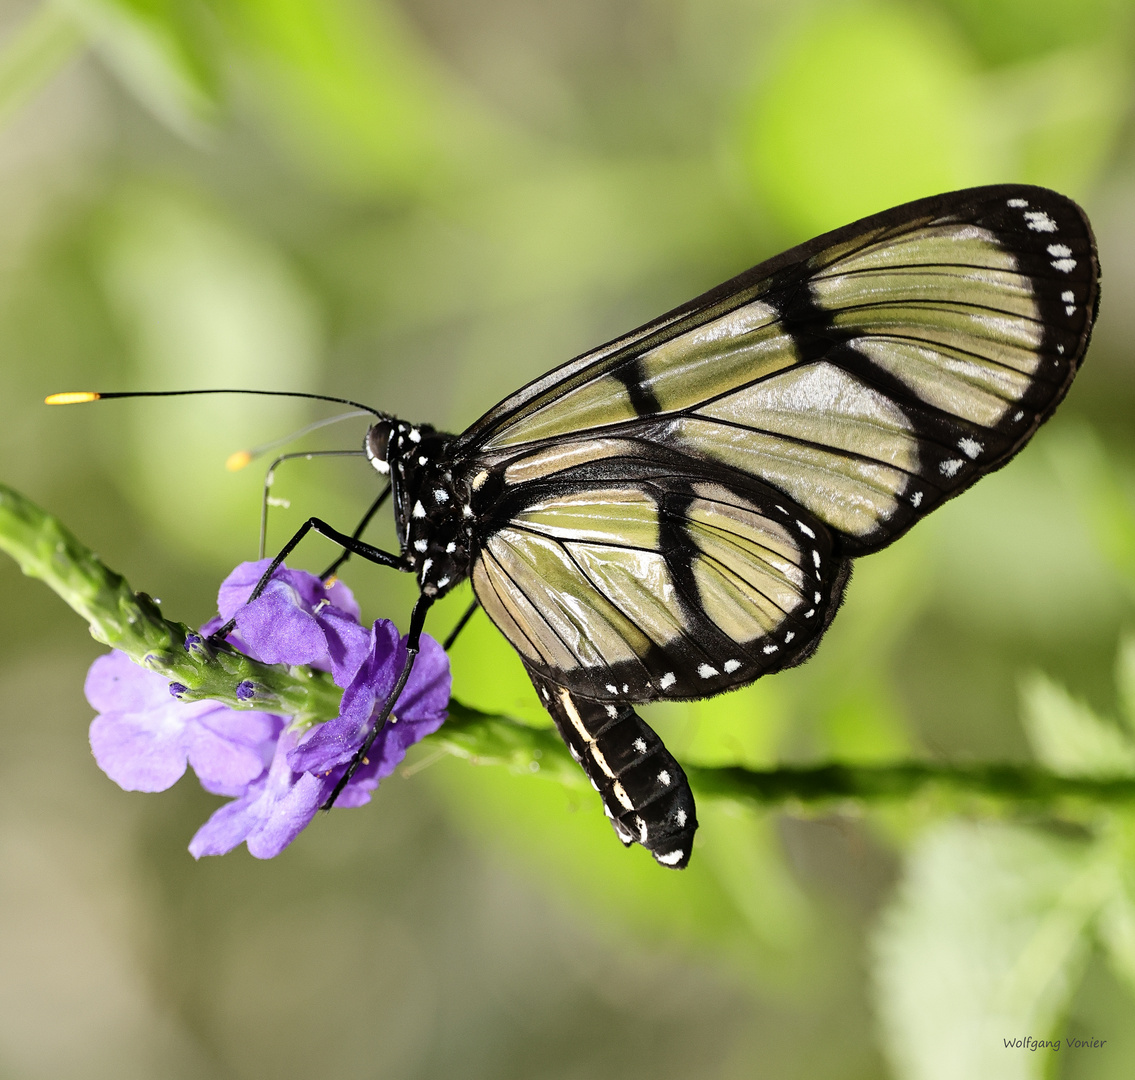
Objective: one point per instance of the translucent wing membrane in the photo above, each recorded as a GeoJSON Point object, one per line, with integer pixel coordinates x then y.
{"type": "Point", "coordinates": [627, 579]}
{"type": "Point", "coordinates": [868, 375]}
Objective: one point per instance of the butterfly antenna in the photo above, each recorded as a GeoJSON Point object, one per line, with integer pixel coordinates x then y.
{"type": "Point", "coordinates": [270, 479]}
{"type": "Point", "coordinates": [79, 397]}
{"type": "Point", "coordinates": [241, 458]}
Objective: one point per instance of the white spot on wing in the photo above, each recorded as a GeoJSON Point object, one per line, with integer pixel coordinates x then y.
{"type": "Point", "coordinates": [1060, 348]}
{"type": "Point", "coordinates": [951, 467]}
{"type": "Point", "coordinates": [622, 796]}
{"type": "Point", "coordinates": [544, 691]}
{"type": "Point", "coordinates": [664, 778]}
{"type": "Point", "coordinates": [707, 672]}
{"type": "Point", "coordinates": [809, 613]}
{"type": "Point", "coordinates": [611, 688]}
{"type": "Point", "coordinates": [768, 650]}
{"type": "Point", "coordinates": [816, 559]}
{"type": "Point", "coordinates": [667, 680]}
{"type": "Point", "coordinates": [1039, 221]}
{"type": "Point", "coordinates": [1060, 251]}
{"type": "Point", "coordinates": [1065, 266]}
{"type": "Point", "coordinates": [422, 459]}
{"type": "Point", "coordinates": [421, 545]}
{"type": "Point", "coordinates": [441, 495]}
{"type": "Point", "coordinates": [426, 566]}
{"type": "Point", "coordinates": [1018, 204]}
{"type": "Point", "coordinates": [641, 829]}
{"type": "Point", "coordinates": [450, 548]}
{"type": "Point", "coordinates": [419, 510]}
{"type": "Point", "coordinates": [680, 817]}
{"type": "Point", "coordinates": [442, 582]}
{"type": "Point", "coordinates": [671, 858]}
{"type": "Point", "coordinates": [1068, 296]}
{"type": "Point", "coordinates": [415, 435]}
{"type": "Point", "coordinates": [640, 745]}
{"type": "Point", "coordinates": [789, 636]}
{"type": "Point", "coordinates": [731, 665]}
{"type": "Point", "coordinates": [916, 499]}
{"type": "Point", "coordinates": [612, 711]}
{"type": "Point", "coordinates": [970, 447]}
{"type": "Point", "coordinates": [805, 530]}
{"type": "Point", "coordinates": [1019, 414]}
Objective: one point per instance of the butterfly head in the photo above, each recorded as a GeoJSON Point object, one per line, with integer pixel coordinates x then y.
{"type": "Point", "coordinates": [429, 511]}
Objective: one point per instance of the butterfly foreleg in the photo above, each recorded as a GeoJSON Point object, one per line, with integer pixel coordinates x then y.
{"type": "Point", "coordinates": [645, 792]}
{"type": "Point", "coordinates": [413, 645]}
{"type": "Point", "coordinates": [366, 520]}
{"type": "Point", "coordinates": [348, 543]}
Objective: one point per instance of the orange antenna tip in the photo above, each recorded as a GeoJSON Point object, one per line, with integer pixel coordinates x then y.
{"type": "Point", "coordinates": [72, 397]}
{"type": "Point", "coordinates": [237, 461]}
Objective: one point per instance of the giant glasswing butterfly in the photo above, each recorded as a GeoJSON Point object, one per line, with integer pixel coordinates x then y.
{"type": "Point", "coordinates": [674, 514]}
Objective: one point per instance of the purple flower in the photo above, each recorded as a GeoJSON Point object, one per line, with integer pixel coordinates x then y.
{"type": "Point", "coordinates": [274, 810]}
{"type": "Point", "coordinates": [143, 737]}
{"type": "Point", "coordinates": [295, 620]}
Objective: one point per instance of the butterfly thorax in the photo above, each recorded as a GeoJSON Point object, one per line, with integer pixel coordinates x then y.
{"type": "Point", "coordinates": [431, 513]}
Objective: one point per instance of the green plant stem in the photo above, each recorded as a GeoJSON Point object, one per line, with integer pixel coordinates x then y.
{"type": "Point", "coordinates": [132, 622]}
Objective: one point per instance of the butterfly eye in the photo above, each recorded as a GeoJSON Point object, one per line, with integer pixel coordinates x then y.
{"type": "Point", "coordinates": [377, 445]}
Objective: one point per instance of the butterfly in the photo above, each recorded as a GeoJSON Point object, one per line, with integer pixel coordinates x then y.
{"type": "Point", "coordinates": [675, 513]}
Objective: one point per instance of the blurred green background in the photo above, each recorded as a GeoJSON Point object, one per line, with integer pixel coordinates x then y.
{"type": "Point", "coordinates": [423, 204]}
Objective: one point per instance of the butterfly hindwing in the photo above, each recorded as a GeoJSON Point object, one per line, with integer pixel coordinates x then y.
{"type": "Point", "coordinates": [651, 575]}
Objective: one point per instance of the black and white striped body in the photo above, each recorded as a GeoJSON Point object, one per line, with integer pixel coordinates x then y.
{"type": "Point", "coordinates": [645, 792]}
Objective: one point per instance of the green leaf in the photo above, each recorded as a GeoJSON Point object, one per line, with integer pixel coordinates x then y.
{"type": "Point", "coordinates": [863, 109]}
{"type": "Point", "coordinates": [350, 91]}
{"type": "Point", "coordinates": [984, 942]}
{"type": "Point", "coordinates": [160, 50]}
{"type": "Point", "coordinates": [1103, 493]}
{"type": "Point", "coordinates": [1125, 679]}
{"type": "Point", "coordinates": [35, 52]}
{"type": "Point", "coordinates": [1068, 737]}
{"type": "Point", "coordinates": [1009, 30]}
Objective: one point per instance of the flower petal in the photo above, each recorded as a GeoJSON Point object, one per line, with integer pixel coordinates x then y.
{"type": "Point", "coordinates": [335, 742]}
{"type": "Point", "coordinates": [278, 630]}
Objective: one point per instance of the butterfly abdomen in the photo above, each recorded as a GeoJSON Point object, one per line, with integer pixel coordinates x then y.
{"type": "Point", "coordinates": [645, 792]}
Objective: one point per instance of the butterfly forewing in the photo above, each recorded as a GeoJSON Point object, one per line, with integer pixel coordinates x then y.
{"type": "Point", "coordinates": [868, 374]}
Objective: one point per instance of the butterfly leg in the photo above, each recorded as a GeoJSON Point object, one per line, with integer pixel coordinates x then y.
{"type": "Point", "coordinates": [645, 792]}
{"type": "Point", "coordinates": [348, 543]}
{"type": "Point", "coordinates": [413, 645]}
{"type": "Point", "coordinates": [374, 509]}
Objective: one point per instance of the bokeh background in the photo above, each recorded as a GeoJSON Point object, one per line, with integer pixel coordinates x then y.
{"type": "Point", "coordinates": [423, 204]}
